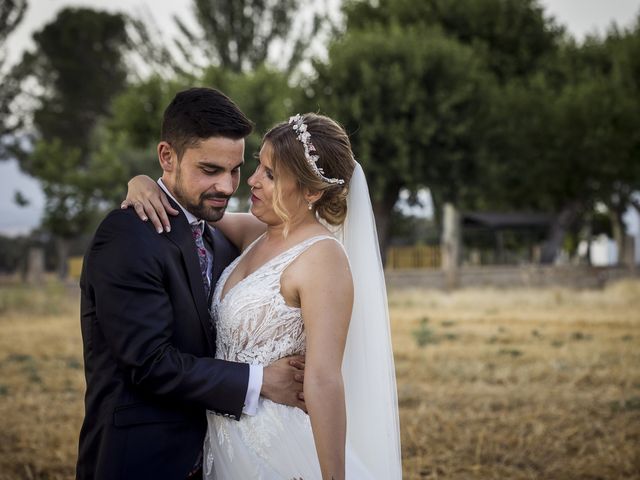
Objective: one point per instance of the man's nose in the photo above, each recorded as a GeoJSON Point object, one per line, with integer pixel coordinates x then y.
{"type": "Point", "coordinates": [225, 185]}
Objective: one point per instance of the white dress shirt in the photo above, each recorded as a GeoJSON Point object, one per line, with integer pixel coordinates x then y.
{"type": "Point", "coordinates": [255, 371]}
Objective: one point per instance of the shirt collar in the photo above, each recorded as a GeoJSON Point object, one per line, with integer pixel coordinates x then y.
{"type": "Point", "coordinates": [191, 218]}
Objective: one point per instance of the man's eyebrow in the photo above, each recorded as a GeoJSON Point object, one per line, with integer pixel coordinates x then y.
{"type": "Point", "coordinates": [209, 164]}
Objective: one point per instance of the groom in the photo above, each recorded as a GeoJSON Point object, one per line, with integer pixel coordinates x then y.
{"type": "Point", "coordinates": [148, 337]}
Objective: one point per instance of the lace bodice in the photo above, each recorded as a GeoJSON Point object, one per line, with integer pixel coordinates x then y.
{"type": "Point", "coordinates": [253, 322]}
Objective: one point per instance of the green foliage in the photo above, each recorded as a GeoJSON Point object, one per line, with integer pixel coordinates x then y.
{"type": "Point", "coordinates": [514, 37]}
{"type": "Point", "coordinates": [510, 351]}
{"type": "Point", "coordinates": [627, 405]}
{"type": "Point", "coordinates": [237, 35]}
{"type": "Point", "coordinates": [79, 64]}
{"type": "Point", "coordinates": [12, 253]}
{"type": "Point", "coordinates": [413, 101]}
{"type": "Point", "coordinates": [488, 103]}
{"type": "Point", "coordinates": [128, 138]}
{"type": "Point", "coordinates": [11, 14]}
{"type": "Point", "coordinates": [70, 202]}
{"type": "Point", "coordinates": [514, 115]}
{"type": "Point", "coordinates": [264, 95]}
{"type": "Point", "coordinates": [424, 335]}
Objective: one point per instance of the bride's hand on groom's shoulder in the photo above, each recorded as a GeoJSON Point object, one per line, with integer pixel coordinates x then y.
{"type": "Point", "coordinates": [149, 202]}
{"type": "Point", "coordinates": [282, 382]}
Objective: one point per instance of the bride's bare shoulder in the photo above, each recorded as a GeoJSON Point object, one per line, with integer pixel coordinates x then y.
{"type": "Point", "coordinates": [321, 270]}
{"type": "Point", "coordinates": [326, 258]}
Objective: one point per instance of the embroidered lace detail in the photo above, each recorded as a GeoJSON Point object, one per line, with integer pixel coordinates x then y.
{"type": "Point", "coordinates": [253, 322]}
{"type": "Point", "coordinates": [255, 325]}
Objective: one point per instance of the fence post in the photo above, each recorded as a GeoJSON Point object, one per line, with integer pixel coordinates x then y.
{"type": "Point", "coordinates": [629, 258]}
{"type": "Point", "coordinates": [35, 266]}
{"type": "Point", "coordinates": [451, 245]}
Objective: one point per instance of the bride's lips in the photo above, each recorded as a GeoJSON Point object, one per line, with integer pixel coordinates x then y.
{"type": "Point", "coordinates": [254, 198]}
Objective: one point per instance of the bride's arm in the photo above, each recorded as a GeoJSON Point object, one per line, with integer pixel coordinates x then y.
{"type": "Point", "coordinates": [326, 299]}
{"type": "Point", "coordinates": [151, 203]}
{"type": "Point", "coordinates": [240, 228]}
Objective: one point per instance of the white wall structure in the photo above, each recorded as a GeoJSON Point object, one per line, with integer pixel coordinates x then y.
{"type": "Point", "coordinates": [632, 221]}
{"type": "Point", "coordinates": [604, 251]}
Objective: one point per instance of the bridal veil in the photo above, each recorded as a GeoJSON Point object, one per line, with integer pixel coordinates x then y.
{"type": "Point", "coordinates": [373, 428]}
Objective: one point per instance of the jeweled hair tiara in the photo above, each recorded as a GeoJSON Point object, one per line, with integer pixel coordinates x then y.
{"type": "Point", "coordinates": [309, 150]}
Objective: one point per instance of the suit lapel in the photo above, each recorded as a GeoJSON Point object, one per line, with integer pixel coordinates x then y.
{"type": "Point", "coordinates": [181, 235]}
{"type": "Point", "coordinates": [218, 257]}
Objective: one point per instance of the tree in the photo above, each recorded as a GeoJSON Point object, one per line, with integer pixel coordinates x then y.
{"type": "Point", "coordinates": [11, 14]}
{"type": "Point", "coordinates": [413, 101]}
{"type": "Point", "coordinates": [618, 135]}
{"type": "Point", "coordinates": [240, 35]}
{"type": "Point", "coordinates": [78, 65]}
{"type": "Point", "coordinates": [514, 37]}
{"type": "Point", "coordinates": [565, 141]}
{"type": "Point", "coordinates": [264, 95]}
{"type": "Point", "coordinates": [556, 134]}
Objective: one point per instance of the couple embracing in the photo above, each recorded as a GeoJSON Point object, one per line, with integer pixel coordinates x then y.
{"type": "Point", "coordinates": [239, 346]}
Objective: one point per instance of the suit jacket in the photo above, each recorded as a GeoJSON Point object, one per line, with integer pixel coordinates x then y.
{"type": "Point", "coordinates": [148, 351]}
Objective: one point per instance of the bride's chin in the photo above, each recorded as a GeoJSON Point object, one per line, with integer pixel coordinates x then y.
{"type": "Point", "coordinates": [258, 214]}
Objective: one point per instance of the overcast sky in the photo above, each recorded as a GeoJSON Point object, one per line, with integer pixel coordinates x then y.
{"type": "Point", "coordinates": [579, 16]}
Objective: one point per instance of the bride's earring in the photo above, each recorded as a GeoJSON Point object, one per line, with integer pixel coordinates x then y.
{"type": "Point", "coordinates": [310, 205]}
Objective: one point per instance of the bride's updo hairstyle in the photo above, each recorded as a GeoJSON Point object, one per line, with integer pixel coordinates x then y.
{"type": "Point", "coordinates": [332, 145]}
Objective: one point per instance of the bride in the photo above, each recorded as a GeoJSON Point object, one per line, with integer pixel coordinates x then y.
{"type": "Point", "coordinates": [309, 280]}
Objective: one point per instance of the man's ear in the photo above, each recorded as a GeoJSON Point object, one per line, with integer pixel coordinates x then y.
{"type": "Point", "coordinates": [166, 157]}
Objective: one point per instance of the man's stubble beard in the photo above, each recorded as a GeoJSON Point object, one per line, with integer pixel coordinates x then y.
{"type": "Point", "coordinates": [199, 210]}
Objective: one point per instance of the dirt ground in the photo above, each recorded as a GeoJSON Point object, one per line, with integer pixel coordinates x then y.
{"type": "Point", "coordinates": [493, 384]}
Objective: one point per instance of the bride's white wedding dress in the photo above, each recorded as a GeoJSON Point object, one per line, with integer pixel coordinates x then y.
{"type": "Point", "coordinates": [255, 325]}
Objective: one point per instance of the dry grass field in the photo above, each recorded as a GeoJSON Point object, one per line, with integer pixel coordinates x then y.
{"type": "Point", "coordinates": [517, 384]}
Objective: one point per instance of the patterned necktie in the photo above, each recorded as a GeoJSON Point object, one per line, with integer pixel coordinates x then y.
{"type": "Point", "coordinates": [196, 229]}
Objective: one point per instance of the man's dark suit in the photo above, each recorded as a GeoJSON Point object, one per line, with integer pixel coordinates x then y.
{"type": "Point", "coordinates": [148, 351]}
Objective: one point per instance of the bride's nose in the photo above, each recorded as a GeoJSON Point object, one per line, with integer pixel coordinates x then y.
{"type": "Point", "coordinates": [252, 180]}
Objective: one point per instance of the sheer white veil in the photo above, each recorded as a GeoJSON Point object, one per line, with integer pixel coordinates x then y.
{"type": "Point", "coordinates": [373, 427]}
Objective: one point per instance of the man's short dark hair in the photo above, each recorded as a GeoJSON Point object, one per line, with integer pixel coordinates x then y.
{"type": "Point", "coordinates": [200, 113]}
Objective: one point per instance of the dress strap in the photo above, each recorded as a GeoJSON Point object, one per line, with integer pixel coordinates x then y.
{"type": "Point", "coordinates": [252, 244]}
{"type": "Point", "coordinates": [294, 252]}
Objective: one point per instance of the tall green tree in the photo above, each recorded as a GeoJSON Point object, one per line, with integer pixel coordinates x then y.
{"type": "Point", "coordinates": [557, 135]}
{"type": "Point", "coordinates": [239, 35]}
{"type": "Point", "coordinates": [78, 66]}
{"type": "Point", "coordinates": [566, 139]}
{"type": "Point", "coordinates": [11, 14]}
{"type": "Point", "coordinates": [619, 129]}
{"type": "Point", "coordinates": [514, 37]}
{"type": "Point", "coordinates": [458, 55]}
{"type": "Point", "coordinates": [413, 101]}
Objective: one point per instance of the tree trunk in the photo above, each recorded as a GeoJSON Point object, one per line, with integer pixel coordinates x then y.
{"type": "Point", "coordinates": [62, 249]}
{"type": "Point", "coordinates": [623, 241]}
{"type": "Point", "coordinates": [563, 221]}
{"type": "Point", "coordinates": [618, 231]}
{"type": "Point", "coordinates": [382, 211]}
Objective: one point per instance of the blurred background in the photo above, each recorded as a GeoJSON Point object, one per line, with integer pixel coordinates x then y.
{"type": "Point", "coordinates": [501, 142]}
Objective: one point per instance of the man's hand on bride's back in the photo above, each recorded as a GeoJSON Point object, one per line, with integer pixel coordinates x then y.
{"type": "Point", "coordinates": [149, 202]}
{"type": "Point", "coordinates": [282, 382]}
